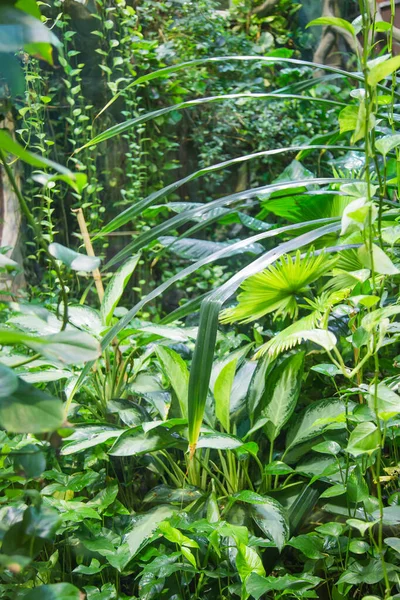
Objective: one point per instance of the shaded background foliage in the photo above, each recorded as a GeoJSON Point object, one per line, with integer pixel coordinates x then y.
{"type": "Point", "coordinates": [105, 45]}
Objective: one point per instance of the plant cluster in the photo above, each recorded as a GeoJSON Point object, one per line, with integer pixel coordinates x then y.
{"type": "Point", "coordinates": [239, 446]}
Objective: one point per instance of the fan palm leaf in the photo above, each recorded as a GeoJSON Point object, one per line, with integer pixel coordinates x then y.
{"type": "Point", "coordinates": [276, 289]}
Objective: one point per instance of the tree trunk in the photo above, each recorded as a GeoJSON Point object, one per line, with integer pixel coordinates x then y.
{"type": "Point", "coordinates": [10, 228]}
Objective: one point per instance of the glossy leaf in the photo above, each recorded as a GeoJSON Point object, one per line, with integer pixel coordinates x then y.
{"type": "Point", "coordinates": [281, 393]}
{"type": "Point", "coordinates": [144, 526]}
{"type": "Point", "coordinates": [222, 393]}
{"type": "Point", "coordinates": [176, 370]}
{"type": "Point", "coordinates": [89, 436]}
{"type": "Point", "coordinates": [306, 426]}
{"type": "Point", "coordinates": [138, 442]}
{"type": "Point", "coordinates": [115, 288]}
{"type": "Point", "coordinates": [364, 439]}
{"type": "Point", "coordinates": [248, 562]}
{"type": "Point", "coordinates": [29, 410]}
{"type": "Point", "coordinates": [74, 260]}
{"type": "Point", "coordinates": [55, 591]}
{"type": "Point", "coordinates": [383, 70]}
{"type": "Point", "coordinates": [68, 347]}
{"type": "Point", "coordinates": [272, 519]}
{"type": "Point", "coordinates": [334, 22]}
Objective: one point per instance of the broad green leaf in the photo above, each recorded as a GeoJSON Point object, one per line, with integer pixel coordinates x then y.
{"type": "Point", "coordinates": [387, 143]}
{"type": "Point", "coordinates": [257, 386]}
{"type": "Point", "coordinates": [176, 370]}
{"type": "Point", "coordinates": [136, 442]}
{"type": "Point", "coordinates": [29, 410]}
{"type": "Point", "coordinates": [379, 260]}
{"type": "Point", "coordinates": [55, 591]}
{"type": "Point", "coordinates": [218, 441]}
{"type": "Point", "coordinates": [249, 497]}
{"type": "Point", "coordinates": [390, 235]}
{"type": "Point", "coordinates": [89, 436]}
{"type": "Point", "coordinates": [31, 459]}
{"type": "Point", "coordinates": [306, 427]}
{"type": "Point", "coordinates": [8, 144]}
{"type": "Point", "coordinates": [368, 574]}
{"type": "Point", "coordinates": [144, 526]}
{"type": "Point", "coordinates": [362, 526]}
{"type": "Point", "coordinates": [68, 347]}
{"type": "Point", "coordinates": [105, 497]}
{"type": "Point", "coordinates": [248, 562]}
{"type": "Point", "coordinates": [391, 515]}
{"type": "Point", "coordinates": [86, 318]}
{"type": "Point", "coordinates": [310, 545]}
{"type": "Point", "coordinates": [115, 288]}
{"type": "Point", "coordinates": [327, 369]}
{"type": "Point", "coordinates": [281, 394]}
{"type": "Point", "coordinates": [383, 70]}
{"type": "Point", "coordinates": [334, 22]}
{"type": "Point", "coordinates": [374, 318]}
{"type": "Point", "coordinates": [356, 486]}
{"type": "Point", "coordinates": [29, 6]}
{"type": "Point", "coordinates": [364, 439]}
{"type": "Point", "coordinates": [393, 542]}
{"type": "Point", "coordinates": [92, 569]}
{"type": "Point", "coordinates": [8, 381]}
{"type": "Point", "coordinates": [44, 376]}
{"type": "Point", "coordinates": [272, 519]}
{"type": "Point", "coordinates": [174, 535]}
{"type": "Point", "coordinates": [222, 393]}
{"type": "Point", "coordinates": [163, 494]}
{"type": "Point", "coordinates": [292, 585]}
{"type": "Point", "coordinates": [328, 447]}
{"type": "Point", "coordinates": [333, 528]}
{"type": "Point", "coordinates": [386, 404]}
{"type": "Point", "coordinates": [358, 214]}
{"type": "Point", "coordinates": [74, 260]}
{"type": "Point", "coordinates": [348, 118]}
{"type": "Point", "coordinates": [335, 490]}
{"type": "Point", "coordinates": [277, 467]}
{"type": "Point", "coordinates": [25, 31]}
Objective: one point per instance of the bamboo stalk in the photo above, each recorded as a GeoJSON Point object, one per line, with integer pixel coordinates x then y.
{"type": "Point", "coordinates": [89, 250]}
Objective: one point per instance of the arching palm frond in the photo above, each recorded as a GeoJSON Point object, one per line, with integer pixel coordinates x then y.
{"type": "Point", "coordinates": [276, 288]}
{"type": "Point", "coordinates": [304, 329]}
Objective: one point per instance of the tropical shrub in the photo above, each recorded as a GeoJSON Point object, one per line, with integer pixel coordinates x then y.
{"type": "Point", "coordinates": [214, 459]}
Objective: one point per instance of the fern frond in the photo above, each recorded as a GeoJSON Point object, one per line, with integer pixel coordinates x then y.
{"type": "Point", "coordinates": [276, 288]}
{"type": "Point", "coordinates": [302, 330]}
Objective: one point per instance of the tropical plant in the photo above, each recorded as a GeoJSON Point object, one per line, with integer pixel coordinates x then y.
{"type": "Point", "coordinates": [144, 458]}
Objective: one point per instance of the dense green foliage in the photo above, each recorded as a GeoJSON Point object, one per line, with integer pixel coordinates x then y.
{"type": "Point", "coordinates": [238, 438]}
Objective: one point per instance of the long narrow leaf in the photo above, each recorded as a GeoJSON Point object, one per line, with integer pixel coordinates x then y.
{"type": "Point", "coordinates": [125, 125]}
{"type": "Point", "coordinates": [182, 218]}
{"type": "Point", "coordinates": [218, 59]}
{"type": "Point", "coordinates": [132, 211]}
